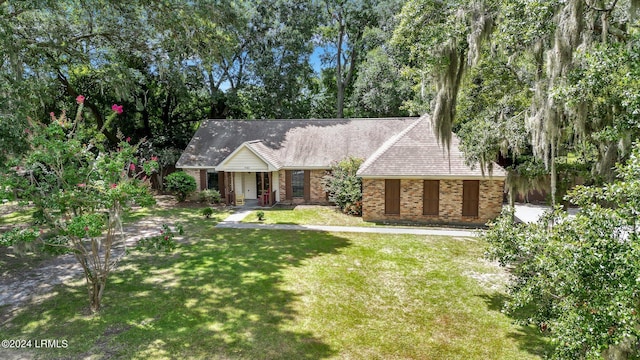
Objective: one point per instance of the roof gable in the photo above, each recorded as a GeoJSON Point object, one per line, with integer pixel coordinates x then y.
{"type": "Point", "coordinates": [247, 158]}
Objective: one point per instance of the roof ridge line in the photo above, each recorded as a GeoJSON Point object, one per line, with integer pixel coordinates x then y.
{"type": "Point", "coordinates": [389, 143]}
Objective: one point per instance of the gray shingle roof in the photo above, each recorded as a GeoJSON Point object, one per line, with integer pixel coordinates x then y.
{"type": "Point", "coordinates": [416, 152]}
{"type": "Point", "coordinates": [392, 147]}
{"type": "Point", "coordinates": [294, 143]}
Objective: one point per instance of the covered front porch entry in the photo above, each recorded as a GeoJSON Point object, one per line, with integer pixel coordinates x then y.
{"type": "Point", "coordinates": [251, 173]}
{"type": "Point", "coordinates": [251, 186]}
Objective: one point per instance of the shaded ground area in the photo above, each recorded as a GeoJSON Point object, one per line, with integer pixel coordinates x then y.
{"type": "Point", "coordinates": [29, 278]}
{"type": "Point", "coordinates": [31, 283]}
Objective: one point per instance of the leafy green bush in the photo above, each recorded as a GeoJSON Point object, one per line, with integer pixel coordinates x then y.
{"type": "Point", "coordinates": [260, 215]}
{"type": "Point", "coordinates": [210, 196]}
{"type": "Point", "coordinates": [207, 212]}
{"type": "Point", "coordinates": [181, 184]}
{"type": "Point", "coordinates": [344, 187]}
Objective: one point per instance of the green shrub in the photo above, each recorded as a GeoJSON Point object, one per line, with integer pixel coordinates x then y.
{"type": "Point", "coordinates": [207, 212]}
{"type": "Point", "coordinates": [181, 184]}
{"type": "Point", "coordinates": [344, 187]}
{"type": "Point", "coordinates": [260, 215]}
{"type": "Point", "coordinates": [210, 196]}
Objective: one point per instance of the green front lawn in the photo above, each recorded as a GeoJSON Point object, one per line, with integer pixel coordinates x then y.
{"type": "Point", "coordinates": [307, 215]}
{"type": "Point", "coordinates": [179, 214]}
{"type": "Point", "coordinates": [270, 294]}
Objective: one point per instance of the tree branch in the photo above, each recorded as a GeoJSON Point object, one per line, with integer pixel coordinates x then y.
{"type": "Point", "coordinates": [593, 7]}
{"type": "Point", "coordinates": [87, 36]}
{"type": "Point", "coordinates": [94, 109]}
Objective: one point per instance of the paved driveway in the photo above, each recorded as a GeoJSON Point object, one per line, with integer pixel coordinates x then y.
{"type": "Point", "coordinates": [529, 213]}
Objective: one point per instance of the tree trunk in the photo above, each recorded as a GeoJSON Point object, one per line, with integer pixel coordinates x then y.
{"type": "Point", "coordinates": [340, 101]}
{"type": "Point", "coordinates": [512, 201]}
{"type": "Point", "coordinates": [554, 175]}
{"type": "Point", "coordinates": [96, 289]}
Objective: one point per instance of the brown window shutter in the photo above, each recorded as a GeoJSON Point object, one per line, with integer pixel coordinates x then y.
{"type": "Point", "coordinates": [392, 196]}
{"type": "Point", "coordinates": [221, 182]}
{"type": "Point", "coordinates": [307, 185]}
{"type": "Point", "coordinates": [431, 197]}
{"type": "Point", "coordinates": [289, 188]}
{"type": "Point", "coordinates": [470, 197]}
{"type": "Point", "coordinates": [203, 179]}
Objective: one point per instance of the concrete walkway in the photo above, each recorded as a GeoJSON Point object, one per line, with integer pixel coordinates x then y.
{"type": "Point", "coordinates": [527, 213]}
{"type": "Point", "coordinates": [234, 222]}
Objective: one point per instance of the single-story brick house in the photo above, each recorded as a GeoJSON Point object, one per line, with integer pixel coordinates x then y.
{"type": "Point", "coordinates": [407, 175]}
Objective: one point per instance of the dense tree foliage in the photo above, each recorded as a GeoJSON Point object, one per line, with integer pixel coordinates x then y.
{"type": "Point", "coordinates": [174, 63]}
{"type": "Point", "coordinates": [577, 277]}
{"type": "Point", "coordinates": [524, 83]}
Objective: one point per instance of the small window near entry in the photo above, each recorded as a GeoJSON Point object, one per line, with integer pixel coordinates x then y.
{"type": "Point", "coordinates": [212, 181]}
{"type": "Point", "coordinates": [392, 196]}
{"type": "Point", "coordinates": [470, 197]}
{"type": "Point", "coordinates": [431, 197]}
{"type": "Point", "coordinates": [297, 183]}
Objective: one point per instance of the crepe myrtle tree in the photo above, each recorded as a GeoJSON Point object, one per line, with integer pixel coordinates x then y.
{"type": "Point", "coordinates": [578, 278]}
{"type": "Point", "coordinates": [79, 190]}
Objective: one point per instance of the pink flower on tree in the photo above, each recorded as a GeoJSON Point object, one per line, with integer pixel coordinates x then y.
{"type": "Point", "coordinates": [127, 139]}
{"type": "Point", "coordinates": [117, 108]}
{"type": "Point", "coordinates": [154, 158]}
{"type": "Point", "coordinates": [80, 99]}
{"type": "Point", "coordinates": [82, 185]}
{"type": "Point", "coordinates": [113, 186]}
{"type": "Point", "coordinates": [132, 167]}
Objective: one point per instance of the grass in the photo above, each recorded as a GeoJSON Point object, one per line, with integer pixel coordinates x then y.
{"type": "Point", "coordinates": [308, 215]}
{"type": "Point", "coordinates": [11, 215]}
{"type": "Point", "coordinates": [270, 294]}
{"type": "Point", "coordinates": [11, 263]}
{"type": "Point", "coordinates": [182, 214]}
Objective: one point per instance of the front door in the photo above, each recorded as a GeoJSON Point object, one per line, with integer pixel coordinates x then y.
{"type": "Point", "coordinates": [249, 186]}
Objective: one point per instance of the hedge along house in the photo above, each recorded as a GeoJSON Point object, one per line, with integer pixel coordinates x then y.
{"type": "Point", "coordinates": [406, 175]}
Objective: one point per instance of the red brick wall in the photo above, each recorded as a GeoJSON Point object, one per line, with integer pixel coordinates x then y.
{"type": "Point", "coordinates": [450, 210]}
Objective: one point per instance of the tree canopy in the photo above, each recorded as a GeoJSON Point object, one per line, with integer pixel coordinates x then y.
{"type": "Point", "coordinates": [174, 63]}
{"type": "Point", "coordinates": [562, 70]}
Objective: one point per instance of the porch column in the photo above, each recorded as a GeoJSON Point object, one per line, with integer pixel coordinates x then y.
{"type": "Point", "coordinates": [271, 196]}
{"type": "Point", "coordinates": [262, 198]}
